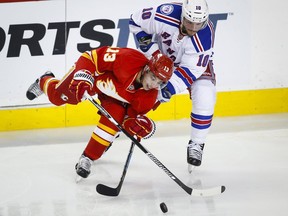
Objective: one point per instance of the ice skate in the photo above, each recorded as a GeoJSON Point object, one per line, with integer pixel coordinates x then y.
{"type": "Point", "coordinates": [34, 90]}
{"type": "Point", "coordinates": [194, 155]}
{"type": "Point", "coordinates": [83, 168]}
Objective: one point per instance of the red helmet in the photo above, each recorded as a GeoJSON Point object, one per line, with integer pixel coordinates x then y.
{"type": "Point", "coordinates": [162, 66]}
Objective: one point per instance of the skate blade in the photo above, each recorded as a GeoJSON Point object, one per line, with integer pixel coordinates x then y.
{"type": "Point", "coordinates": [78, 179]}
{"type": "Point", "coordinates": [191, 168]}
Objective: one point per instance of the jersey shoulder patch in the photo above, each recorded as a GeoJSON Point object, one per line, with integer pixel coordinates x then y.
{"type": "Point", "coordinates": [169, 14]}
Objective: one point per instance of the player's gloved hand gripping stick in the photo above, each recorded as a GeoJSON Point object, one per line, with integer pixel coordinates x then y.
{"type": "Point", "coordinates": [193, 192]}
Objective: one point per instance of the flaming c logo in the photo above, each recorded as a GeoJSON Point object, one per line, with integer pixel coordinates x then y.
{"type": "Point", "coordinates": [108, 88]}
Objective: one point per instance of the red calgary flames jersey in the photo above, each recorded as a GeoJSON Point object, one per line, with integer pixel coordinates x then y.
{"type": "Point", "coordinates": [115, 71]}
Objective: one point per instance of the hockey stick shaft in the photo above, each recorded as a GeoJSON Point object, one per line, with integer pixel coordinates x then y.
{"type": "Point", "coordinates": [108, 191]}
{"type": "Point", "coordinates": [149, 154]}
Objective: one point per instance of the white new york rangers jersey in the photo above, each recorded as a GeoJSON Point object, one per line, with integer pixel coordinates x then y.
{"type": "Point", "coordinates": [191, 55]}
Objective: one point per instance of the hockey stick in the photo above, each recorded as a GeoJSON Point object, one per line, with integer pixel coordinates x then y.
{"type": "Point", "coordinates": [194, 192]}
{"type": "Point", "coordinates": [109, 191]}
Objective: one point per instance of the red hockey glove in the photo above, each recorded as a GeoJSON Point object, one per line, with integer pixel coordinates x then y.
{"type": "Point", "coordinates": [142, 126]}
{"type": "Point", "coordinates": [81, 82]}
{"type": "Point", "coordinates": [156, 52]}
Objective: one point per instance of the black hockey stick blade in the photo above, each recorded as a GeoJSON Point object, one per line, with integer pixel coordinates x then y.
{"type": "Point", "coordinates": [107, 191]}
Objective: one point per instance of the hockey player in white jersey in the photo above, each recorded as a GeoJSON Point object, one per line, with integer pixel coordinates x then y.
{"type": "Point", "coordinates": [184, 32]}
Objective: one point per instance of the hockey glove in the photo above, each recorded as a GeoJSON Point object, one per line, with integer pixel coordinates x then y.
{"type": "Point", "coordinates": [81, 82]}
{"type": "Point", "coordinates": [141, 126]}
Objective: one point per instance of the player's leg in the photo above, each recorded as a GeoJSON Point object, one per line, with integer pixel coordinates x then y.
{"type": "Point", "coordinates": [55, 89]}
{"type": "Point", "coordinates": [36, 88]}
{"type": "Point", "coordinates": [203, 95]}
{"type": "Point", "coordinates": [101, 138]}
{"type": "Point", "coordinates": [58, 91]}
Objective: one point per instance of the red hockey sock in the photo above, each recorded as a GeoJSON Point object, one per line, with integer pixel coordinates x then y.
{"type": "Point", "coordinates": [94, 149]}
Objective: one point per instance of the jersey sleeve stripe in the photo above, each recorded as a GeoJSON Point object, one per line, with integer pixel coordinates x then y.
{"type": "Point", "coordinates": [87, 55]}
{"type": "Point", "coordinates": [95, 61]}
{"type": "Point", "coordinates": [204, 39]}
{"type": "Point", "coordinates": [166, 19]}
{"type": "Point", "coordinates": [185, 75]}
{"type": "Point", "coordinates": [197, 43]}
{"type": "Point", "coordinates": [210, 24]}
{"type": "Point", "coordinates": [131, 22]}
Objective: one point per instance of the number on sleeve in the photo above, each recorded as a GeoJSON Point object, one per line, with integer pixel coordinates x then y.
{"type": "Point", "coordinates": [146, 13]}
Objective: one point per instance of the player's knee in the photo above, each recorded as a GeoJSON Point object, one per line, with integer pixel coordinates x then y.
{"type": "Point", "coordinates": [203, 95]}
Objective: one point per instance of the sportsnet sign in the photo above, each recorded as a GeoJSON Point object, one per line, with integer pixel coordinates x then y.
{"type": "Point", "coordinates": [15, 36]}
{"type": "Point", "coordinates": [50, 35]}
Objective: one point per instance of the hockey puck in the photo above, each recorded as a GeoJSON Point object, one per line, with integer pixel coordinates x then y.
{"type": "Point", "coordinates": [163, 207]}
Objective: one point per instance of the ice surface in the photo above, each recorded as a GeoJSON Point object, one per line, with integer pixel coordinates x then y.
{"type": "Point", "coordinates": [249, 155]}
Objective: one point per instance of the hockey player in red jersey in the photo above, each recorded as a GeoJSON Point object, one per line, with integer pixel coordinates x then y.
{"type": "Point", "coordinates": [125, 82]}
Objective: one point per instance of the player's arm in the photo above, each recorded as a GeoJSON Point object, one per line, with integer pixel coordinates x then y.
{"type": "Point", "coordinates": [79, 79]}
{"type": "Point", "coordinates": [96, 62]}
{"type": "Point", "coordinates": [192, 66]}
{"type": "Point", "coordinates": [82, 81]}
{"type": "Point", "coordinates": [136, 122]}
{"type": "Point", "coordinates": [142, 102]}
{"type": "Point", "coordinates": [141, 24]}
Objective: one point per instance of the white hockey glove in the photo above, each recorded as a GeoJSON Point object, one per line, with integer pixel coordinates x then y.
{"type": "Point", "coordinates": [164, 95]}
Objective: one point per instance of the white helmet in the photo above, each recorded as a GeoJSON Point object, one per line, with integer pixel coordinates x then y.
{"type": "Point", "coordinates": [195, 11]}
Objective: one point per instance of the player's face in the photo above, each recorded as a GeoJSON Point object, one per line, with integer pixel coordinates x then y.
{"type": "Point", "coordinates": [150, 81]}
{"type": "Point", "coordinates": [190, 28]}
